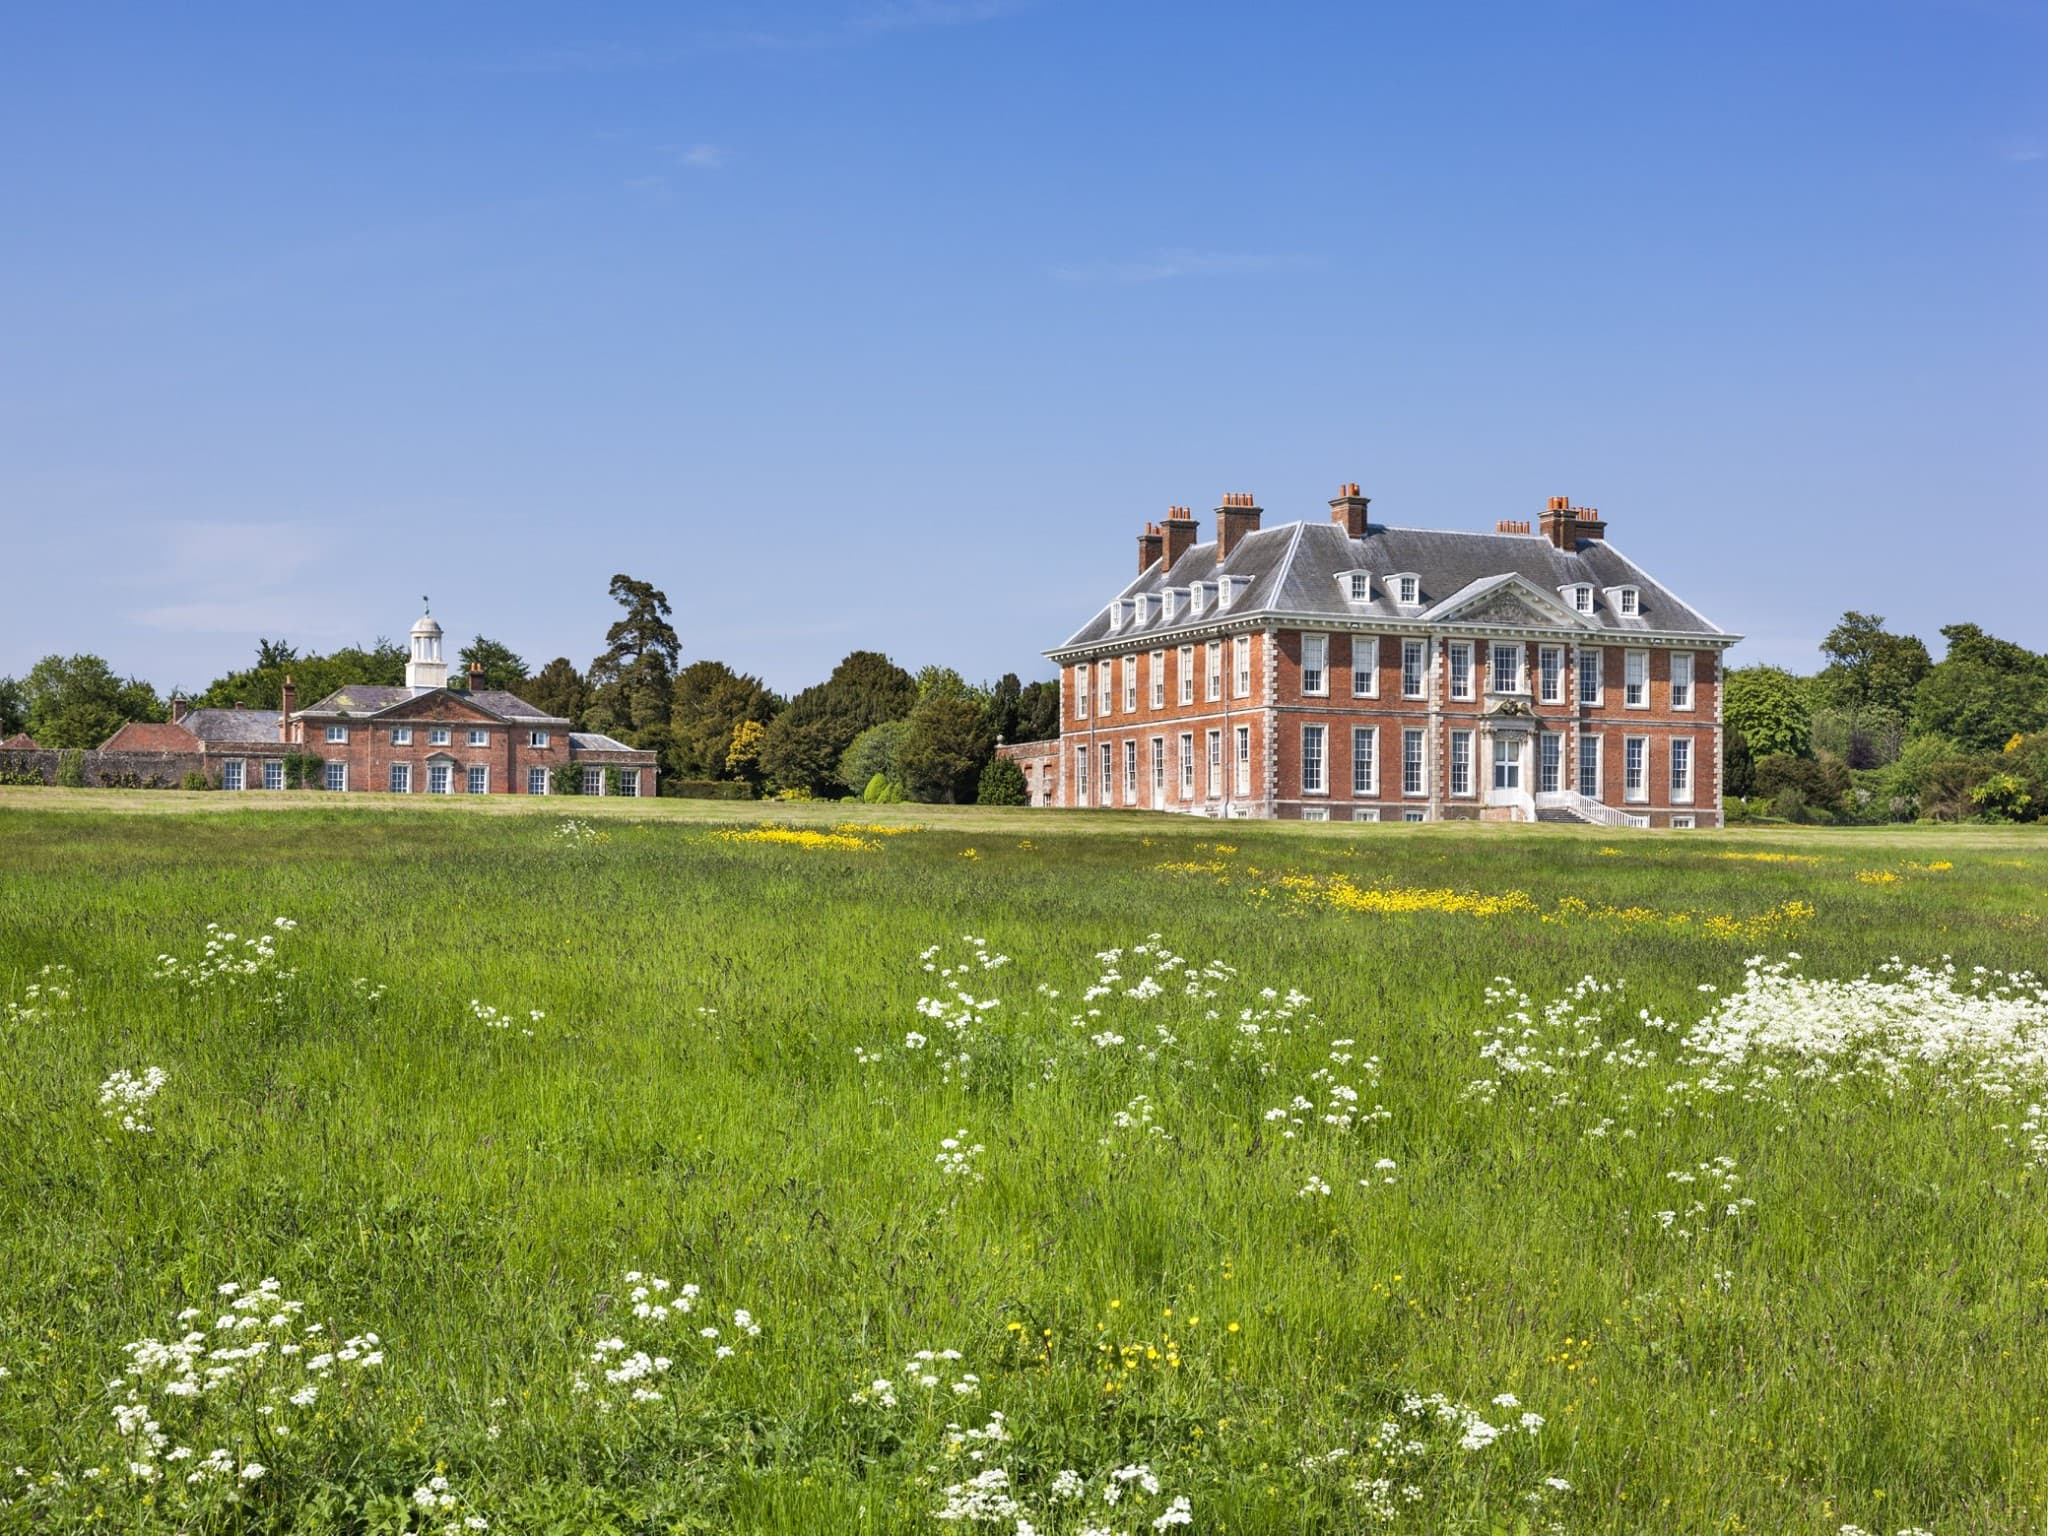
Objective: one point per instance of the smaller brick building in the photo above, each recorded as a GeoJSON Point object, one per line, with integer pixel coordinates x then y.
{"type": "Point", "coordinates": [417, 738]}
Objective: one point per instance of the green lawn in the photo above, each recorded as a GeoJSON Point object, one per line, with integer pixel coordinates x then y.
{"type": "Point", "coordinates": [1254, 1157]}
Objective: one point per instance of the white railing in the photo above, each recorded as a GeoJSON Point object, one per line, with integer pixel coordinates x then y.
{"type": "Point", "coordinates": [1588, 809]}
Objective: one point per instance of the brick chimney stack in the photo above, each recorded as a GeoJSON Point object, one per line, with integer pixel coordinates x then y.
{"type": "Point", "coordinates": [1180, 529]}
{"type": "Point", "coordinates": [179, 709]}
{"type": "Point", "coordinates": [1564, 524]}
{"type": "Point", "coordinates": [476, 677]}
{"type": "Point", "coordinates": [1149, 543]}
{"type": "Point", "coordinates": [287, 701]}
{"type": "Point", "coordinates": [1236, 517]}
{"type": "Point", "coordinates": [1347, 510]}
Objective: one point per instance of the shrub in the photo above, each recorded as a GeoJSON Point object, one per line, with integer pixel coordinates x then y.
{"type": "Point", "coordinates": [194, 779]}
{"type": "Point", "coordinates": [2002, 797]}
{"type": "Point", "coordinates": [71, 768]}
{"type": "Point", "coordinates": [1804, 788]}
{"type": "Point", "coordinates": [881, 791]}
{"type": "Point", "coordinates": [1002, 783]}
{"type": "Point", "coordinates": [566, 779]}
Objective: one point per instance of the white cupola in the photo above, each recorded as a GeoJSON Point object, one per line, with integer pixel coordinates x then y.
{"type": "Point", "coordinates": [425, 668]}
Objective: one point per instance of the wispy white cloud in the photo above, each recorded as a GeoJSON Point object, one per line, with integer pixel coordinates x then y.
{"type": "Point", "coordinates": [234, 578]}
{"type": "Point", "coordinates": [917, 15]}
{"type": "Point", "coordinates": [2024, 152]}
{"type": "Point", "coordinates": [702, 157]}
{"type": "Point", "coordinates": [649, 189]}
{"type": "Point", "coordinates": [1179, 262]}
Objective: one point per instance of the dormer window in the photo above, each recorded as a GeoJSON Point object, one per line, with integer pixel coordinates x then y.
{"type": "Point", "coordinates": [1198, 599]}
{"type": "Point", "coordinates": [1628, 601]}
{"type": "Point", "coordinates": [1407, 590]}
{"type": "Point", "coordinates": [1116, 615]}
{"type": "Point", "coordinates": [1229, 589]}
{"type": "Point", "coordinates": [1357, 586]}
{"type": "Point", "coordinates": [1579, 597]}
{"type": "Point", "coordinates": [1141, 608]}
{"type": "Point", "coordinates": [1171, 600]}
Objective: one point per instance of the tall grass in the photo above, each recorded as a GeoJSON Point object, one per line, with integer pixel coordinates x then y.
{"type": "Point", "coordinates": [719, 1092]}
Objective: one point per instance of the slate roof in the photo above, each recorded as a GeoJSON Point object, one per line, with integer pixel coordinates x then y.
{"type": "Point", "coordinates": [1293, 573]}
{"type": "Point", "coordinates": [233, 726]}
{"type": "Point", "coordinates": [592, 741]}
{"type": "Point", "coordinates": [371, 698]}
{"type": "Point", "coordinates": [151, 736]}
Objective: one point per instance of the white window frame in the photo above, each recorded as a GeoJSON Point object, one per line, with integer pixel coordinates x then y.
{"type": "Point", "coordinates": [1116, 616]}
{"type": "Point", "coordinates": [602, 789]}
{"type": "Point", "coordinates": [399, 781]}
{"type": "Point", "coordinates": [1315, 665]}
{"type": "Point", "coordinates": [1169, 605]}
{"type": "Point", "coordinates": [1461, 765]}
{"type": "Point", "coordinates": [1158, 769]}
{"type": "Point", "coordinates": [1550, 673]}
{"type": "Point", "coordinates": [1105, 689]}
{"type": "Point", "coordinates": [1081, 766]}
{"type": "Point", "coordinates": [273, 768]}
{"type": "Point", "coordinates": [1579, 597]}
{"type": "Point", "coordinates": [1414, 761]}
{"type": "Point", "coordinates": [1198, 599]}
{"type": "Point", "coordinates": [1458, 666]}
{"type": "Point", "coordinates": [1681, 754]}
{"type": "Point", "coordinates": [1367, 646]}
{"type": "Point", "coordinates": [536, 738]}
{"type": "Point", "coordinates": [1406, 588]}
{"type": "Point", "coordinates": [1187, 765]}
{"type": "Point", "coordinates": [1080, 690]}
{"type": "Point", "coordinates": [1214, 784]}
{"type": "Point", "coordinates": [1682, 691]}
{"type": "Point", "coordinates": [1315, 813]}
{"type": "Point", "coordinates": [1141, 608]}
{"type": "Point", "coordinates": [1682, 823]}
{"type": "Point", "coordinates": [1414, 669]}
{"type": "Point", "coordinates": [1517, 655]}
{"type": "Point", "coordinates": [1589, 768]}
{"type": "Point", "coordinates": [443, 775]}
{"type": "Point", "coordinates": [1212, 667]}
{"type": "Point", "coordinates": [1130, 665]}
{"type": "Point", "coordinates": [1241, 767]}
{"type": "Point", "coordinates": [479, 737]}
{"type": "Point", "coordinates": [335, 777]}
{"type": "Point", "coordinates": [1505, 771]}
{"type": "Point", "coordinates": [1358, 587]}
{"type": "Point", "coordinates": [538, 782]}
{"type": "Point", "coordinates": [337, 735]}
{"type": "Point", "coordinates": [1105, 761]}
{"type": "Point", "coordinates": [1130, 770]}
{"type": "Point", "coordinates": [1365, 760]}
{"type": "Point", "coordinates": [1628, 602]}
{"type": "Point", "coordinates": [1635, 769]}
{"type": "Point", "coordinates": [1157, 692]}
{"type": "Point", "coordinates": [470, 777]}
{"type": "Point", "coordinates": [437, 736]}
{"type": "Point", "coordinates": [1550, 761]}
{"type": "Point", "coordinates": [401, 735]}
{"type": "Point", "coordinates": [1635, 679]}
{"type": "Point", "coordinates": [1186, 680]}
{"type": "Point", "coordinates": [234, 775]}
{"type": "Point", "coordinates": [1241, 666]}
{"type": "Point", "coordinates": [1415, 813]}
{"type": "Point", "coordinates": [1315, 759]}
{"type": "Point", "coordinates": [629, 783]}
{"type": "Point", "coordinates": [1592, 681]}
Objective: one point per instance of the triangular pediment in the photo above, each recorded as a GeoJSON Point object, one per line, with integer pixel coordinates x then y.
{"type": "Point", "coordinates": [439, 704]}
{"type": "Point", "coordinates": [1507, 602]}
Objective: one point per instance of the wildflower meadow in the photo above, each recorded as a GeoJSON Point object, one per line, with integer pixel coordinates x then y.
{"type": "Point", "coordinates": [691, 1167]}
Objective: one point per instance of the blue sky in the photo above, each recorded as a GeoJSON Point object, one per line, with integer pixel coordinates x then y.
{"type": "Point", "coordinates": [885, 323]}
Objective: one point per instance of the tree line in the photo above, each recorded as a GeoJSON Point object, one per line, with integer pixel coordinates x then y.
{"type": "Point", "coordinates": [1883, 732]}
{"type": "Point", "coordinates": [871, 728]}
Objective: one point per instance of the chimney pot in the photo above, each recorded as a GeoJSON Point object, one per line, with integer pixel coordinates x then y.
{"type": "Point", "coordinates": [1350, 511]}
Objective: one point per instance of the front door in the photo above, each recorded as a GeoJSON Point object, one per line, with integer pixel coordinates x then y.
{"type": "Point", "coordinates": [1509, 768]}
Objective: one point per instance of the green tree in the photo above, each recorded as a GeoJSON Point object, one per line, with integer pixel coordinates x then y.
{"type": "Point", "coordinates": [502, 667]}
{"type": "Point", "coordinates": [313, 677]}
{"type": "Point", "coordinates": [557, 689]}
{"type": "Point", "coordinates": [1982, 692]}
{"type": "Point", "coordinates": [874, 751]}
{"type": "Point", "coordinates": [947, 739]}
{"type": "Point", "coordinates": [1869, 667]}
{"type": "Point", "coordinates": [275, 653]}
{"type": "Point", "coordinates": [806, 741]}
{"type": "Point", "coordinates": [709, 702]}
{"type": "Point", "coordinates": [632, 682]}
{"type": "Point", "coordinates": [1768, 705]}
{"type": "Point", "coordinates": [78, 702]}
{"type": "Point", "coordinates": [1038, 713]}
{"type": "Point", "coordinates": [13, 707]}
{"type": "Point", "coordinates": [1002, 783]}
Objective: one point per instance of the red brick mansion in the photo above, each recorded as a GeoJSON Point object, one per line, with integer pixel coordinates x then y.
{"type": "Point", "coordinates": [1348, 671]}
{"type": "Point", "coordinates": [419, 738]}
